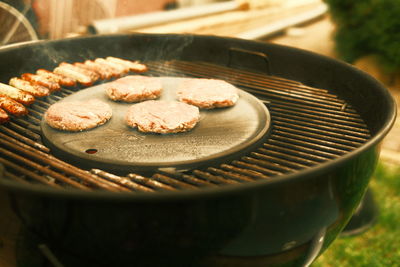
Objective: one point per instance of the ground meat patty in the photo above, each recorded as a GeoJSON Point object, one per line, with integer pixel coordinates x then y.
{"type": "Point", "coordinates": [207, 93]}
{"type": "Point", "coordinates": [78, 116]}
{"type": "Point", "coordinates": [134, 88]}
{"type": "Point", "coordinates": [162, 116]}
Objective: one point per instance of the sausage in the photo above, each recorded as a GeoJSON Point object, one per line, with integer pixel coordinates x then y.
{"type": "Point", "coordinates": [16, 94]}
{"type": "Point", "coordinates": [57, 78]}
{"type": "Point", "coordinates": [33, 89]}
{"type": "Point", "coordinates": [101, 74]}
{"type": "Point", "coordinates": [105, 70]}
{"type": "Point", "coordinates": [73, 74]}
{"type": "Point", "coordinates": [3, 116]}
{"type": "Point", "coordinates": [134, 66]}
{"type": "Point", "coordinates": [90, 73]}
{"type": "Point", "coordinates": [12, 106]}
{"type": "Point", "coordinates": [42, 81]}
{"type": "Point", "coordinates": [120, 69]}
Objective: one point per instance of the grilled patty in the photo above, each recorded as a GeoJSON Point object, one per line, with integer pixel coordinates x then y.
{"type": "Point", "coordinates": [134, 88]}
{"type": "Point", "coordinates": [78, 116]}
{"type": "Point", "coordinates": [162, 117]}
{"type": "Point", "coordinates": [207, 93]}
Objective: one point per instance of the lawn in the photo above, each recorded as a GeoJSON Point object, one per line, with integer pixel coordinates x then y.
{"type": "Point", "coordinates": [380, 245]}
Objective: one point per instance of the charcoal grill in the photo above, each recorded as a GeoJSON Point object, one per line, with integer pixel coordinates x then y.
{"type": "Point", "coordinates": [282, 202]}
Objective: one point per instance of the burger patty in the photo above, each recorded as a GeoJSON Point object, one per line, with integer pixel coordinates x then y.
{"type": "Point", "coordinates": [134, 88]}
{"type": "Point", "coordinates": [207, 93]}
{"type": "Point", "coordinates": [162, 117]}
{"type": "Point", "coordinates": [78, 116]}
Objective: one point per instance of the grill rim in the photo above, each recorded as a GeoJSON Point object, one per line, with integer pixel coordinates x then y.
{"type": "Point", "coordinates": [307, 173]}
{"type": "Point", "coordinates": [220, 191]}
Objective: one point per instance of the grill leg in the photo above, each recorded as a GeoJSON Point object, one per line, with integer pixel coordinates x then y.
{"type": "Point", "coordinates": [364, 217]}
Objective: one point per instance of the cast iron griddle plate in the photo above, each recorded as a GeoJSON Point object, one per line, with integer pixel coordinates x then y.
{"type": "Point", "coordinates": [220, 133]}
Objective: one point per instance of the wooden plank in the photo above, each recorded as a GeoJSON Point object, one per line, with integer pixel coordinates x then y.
{"type": "Point", "coordinates": [234, 22]}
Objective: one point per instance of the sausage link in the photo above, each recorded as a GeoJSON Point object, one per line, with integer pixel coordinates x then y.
{"type": "Point", "coordinates": [12, 106]}
{"type": "Point", "coordinates": [73, 74]}
{"type": "Point", "coordinates": [16, 94]}
{"type": "Point", "coordinates": [34, 89]}
{"type": "Point", "coordinates": [57, 78]}
{"type": "Point", "coordinates": [116, 67]}
{"type": "Point", "coordinates": [3, 116]}
{"type": "Point", "coordinates": [91, 74]}
{"type": "Point", "coordinates": [134, 66]}
{"type": "Point", "coordinates": [98, 72]}
{"type": "Point", "coordinates": [105, 70]}
{"type": "Point", "coordinates": [42, 81]}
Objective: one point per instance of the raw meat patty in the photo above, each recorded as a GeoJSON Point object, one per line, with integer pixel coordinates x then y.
{"type": "Point", "coordinates": [134, 88]}
{"type": "Point", "coordinates": [162, 116]}
{"type": "Point", "coordinates": [207, 93]}
{"type": "Point", "coordinates": [78, 116]}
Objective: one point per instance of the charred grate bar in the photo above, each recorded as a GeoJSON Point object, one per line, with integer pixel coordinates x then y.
{"type": "Point", "coordinates": [309, 126]}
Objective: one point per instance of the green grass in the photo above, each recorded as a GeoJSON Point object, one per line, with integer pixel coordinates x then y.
{"type": "Point", "coordinates": [380, 245]}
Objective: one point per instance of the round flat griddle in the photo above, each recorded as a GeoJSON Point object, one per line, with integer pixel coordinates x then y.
{"type": "Point", "coordinates": [220, 134]}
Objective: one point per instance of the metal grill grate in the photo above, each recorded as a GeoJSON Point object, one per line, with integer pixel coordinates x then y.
{"type": "Point", "coordinates": [309, 126]}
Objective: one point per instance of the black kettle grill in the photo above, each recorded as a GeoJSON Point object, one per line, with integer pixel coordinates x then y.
{"type": "Point", "coordinates": [280, 200]}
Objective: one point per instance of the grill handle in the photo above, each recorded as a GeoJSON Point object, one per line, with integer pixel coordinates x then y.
{"type": "Point", "coordinates": [247, 59]}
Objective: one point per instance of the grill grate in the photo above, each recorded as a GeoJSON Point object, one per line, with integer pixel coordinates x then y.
{"type": "Point", "coordinates": [309, 126]}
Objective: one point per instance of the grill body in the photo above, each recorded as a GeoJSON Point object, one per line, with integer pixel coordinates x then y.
{"type": "Point", "coordinates": [268, 221]}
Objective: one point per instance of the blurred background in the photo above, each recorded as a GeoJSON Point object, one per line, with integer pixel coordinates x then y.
{"type": "Point", "coordinates": [363, 33]}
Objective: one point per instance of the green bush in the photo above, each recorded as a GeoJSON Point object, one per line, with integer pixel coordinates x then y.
{"type": "Point", "coordinates": [366, 27]}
